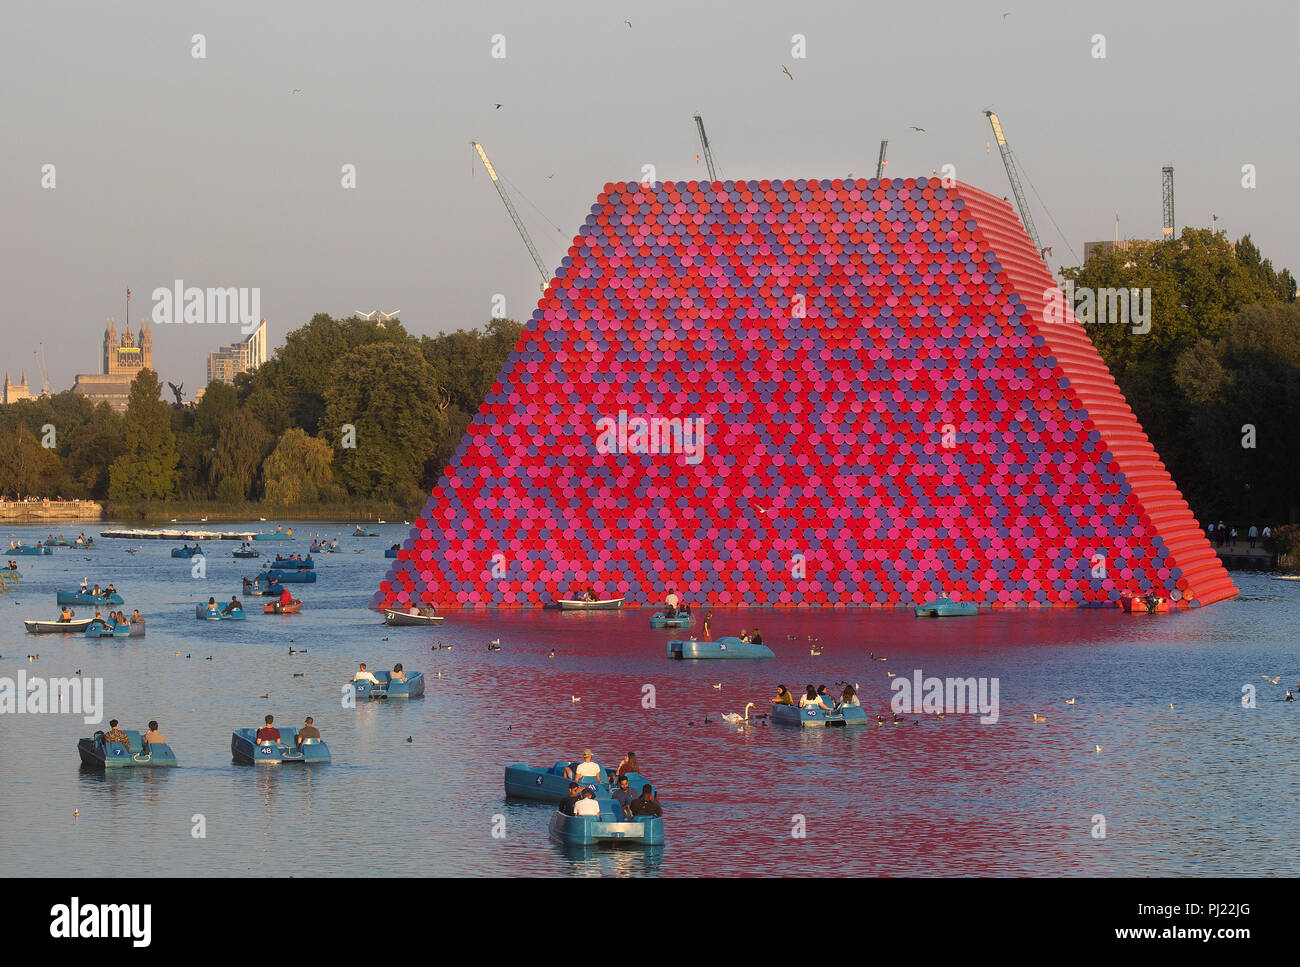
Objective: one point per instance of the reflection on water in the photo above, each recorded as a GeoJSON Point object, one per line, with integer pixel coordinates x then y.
{"type": "Point", "coordinates": [1205, 787]}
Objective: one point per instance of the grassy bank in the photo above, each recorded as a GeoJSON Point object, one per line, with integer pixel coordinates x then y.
{"type": "Point", "coordinates": [195, 510]}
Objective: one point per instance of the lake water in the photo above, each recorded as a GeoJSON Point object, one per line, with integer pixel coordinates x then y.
{"type": "Point", "coordinates": [1208, 787]}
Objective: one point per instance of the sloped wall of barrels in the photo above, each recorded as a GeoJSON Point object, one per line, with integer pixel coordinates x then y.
{"type": "Point", "coordinates": [803, 393]}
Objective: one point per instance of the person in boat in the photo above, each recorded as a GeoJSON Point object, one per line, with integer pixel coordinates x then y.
{"type": "Point", "coordinates": [308, 731]}
{"type": "Point", "coordinates": [114, 734]}
{"type": "Point", "coordinates": [84, 582]}
{"type": "Point", "coordinates": [97, 617]}
{"type": "Point", "coordinates": [398, 674]}
{"type": "Point", "coordinates": [708, 616]}
{"type": "Point", "coordinates": [849, 696]}
{"type": "Point", "coordinates": [646, 804]}
{"type": "Point", "coordinates": [755, 638]}
{"type": "Point", "coordinates": [110, 591]}
{"type": "Point", "coordinates": [670, 603]}
{"type": "Point", "coordinates": [233, 606]}
{"type": "Point", "coordinates": [268, 732]}
{"type": "Point", "coordinates": [783, 696]}
{"type": "Point", "coordinates": [811, 698]}
{"type": "Point", "coordinates": [65, 614]}
{"type": "Point", "coordinates": [567, 804]}
{"type": "Point", "coordinates": [587, 769]}
{"type": "Point", "coordinates": [413, 610]}
{"type": "Point", "coordinates": [153, 736]}
{"type": "Point", "coordinates": [136, 617]}
{"type": "Point", "coordinates": [286, 598]}
{"type": "Point", "coordinates": [95, 592]}
{"type": "Point", "coordinates": [628, 765]}
{"type": "Point", "coordinates": [586, 805]}
{"type": "Point", "coordinates": [623, 796]}
{"type": "Point", "coordinates": [211, 606]}
{"type": "Point", "coordinates": [363, 675]}
{"type": "Point", "coordinates": [744, 635]}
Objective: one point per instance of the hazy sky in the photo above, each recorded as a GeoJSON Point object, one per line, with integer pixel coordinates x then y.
{"type": "Point", "coordinates": [209, 170]}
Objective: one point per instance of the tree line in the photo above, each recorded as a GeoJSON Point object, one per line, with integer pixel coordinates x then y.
{"type": "Point", "coordinates": [346, 410]}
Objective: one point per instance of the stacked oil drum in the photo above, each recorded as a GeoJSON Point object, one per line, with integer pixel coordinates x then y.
{"type": "Point", "coordinates": [816, 392]}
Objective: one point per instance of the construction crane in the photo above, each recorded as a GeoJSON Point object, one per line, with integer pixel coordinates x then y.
{"type": "Point", "coordinates": [881, 162]}
{"type": "Point", "coordinates": [514, 215]}
{"type": "Point", "coordinates": [1167, 202]}
{"type": "Point", "coordinates": [45, 376]}
{"type": "Point", "coordinates": [1009, 162]}
{"type": "Point", "coordinates": [708, 152]}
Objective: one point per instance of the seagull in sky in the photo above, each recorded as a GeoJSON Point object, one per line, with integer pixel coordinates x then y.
{"type": "Point", "coordinates": [785, 70]}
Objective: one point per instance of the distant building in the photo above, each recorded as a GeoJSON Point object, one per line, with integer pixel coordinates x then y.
{"type": "Point", "coordinates": [241, 357]}
{"type": "Point", "coordinates": [14, 392]}
{"type": "Point", "coordinates": [122, 360]}
{"type": "Point", "coordinates": [1108, 246]}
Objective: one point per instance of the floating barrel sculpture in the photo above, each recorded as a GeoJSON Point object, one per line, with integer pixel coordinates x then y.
{"type": "Point", "coordinates": [817, 392]}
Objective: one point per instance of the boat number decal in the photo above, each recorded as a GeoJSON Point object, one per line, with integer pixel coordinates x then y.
{"type": "Point", "coordinates": [722, 647]}
{"type": "Point", "coordinates": [539, 780]}
{"type": "Point", "coordinates": [117, 752]}
{"type": "Point", "coordinates": [266, 750]}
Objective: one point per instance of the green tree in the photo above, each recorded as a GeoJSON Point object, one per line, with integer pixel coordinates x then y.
{"type": "Point", "coordinates": [26, 467]}
{"type": "Point", "coordinates": [92, 449]}
{"type": "Point", "coordinates": [146, 469]}
{"type": "Point", "coordinates": [300, 470]}
{"type": "Point", "coordinates": [241, 446]}
{"type": "Point", "coordinates": [389, 394]}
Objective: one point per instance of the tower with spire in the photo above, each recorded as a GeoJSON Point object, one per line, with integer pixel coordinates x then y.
{"type": "Point", "coordinates": [13, 392]}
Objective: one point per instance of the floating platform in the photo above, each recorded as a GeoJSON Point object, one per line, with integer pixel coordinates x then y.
{"type": "Point", "coordinates": [726, 648]}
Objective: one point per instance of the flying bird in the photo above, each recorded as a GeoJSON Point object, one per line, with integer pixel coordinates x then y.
{"type": "Point", "coordinates": [1275, 681]}
{"type": "Point", "coordinates": [785, 70]}
{"type": "Point", "coordinates": [915, 128]}
{"type": "Point", "coordinates": [629, 24]}
{"type": "Point", "coordinates": [1005, 16]}
{"type": "Point", "coordinates": [498, 107]}
{"type": "Point", "coordinates": [296, 90]}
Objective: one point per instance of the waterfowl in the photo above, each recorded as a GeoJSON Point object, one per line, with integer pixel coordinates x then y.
{"type": "Point", "coordinates": [1039, 718]}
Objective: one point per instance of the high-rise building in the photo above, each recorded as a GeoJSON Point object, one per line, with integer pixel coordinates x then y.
{"type": "Point", "coordinates": [240, 357]}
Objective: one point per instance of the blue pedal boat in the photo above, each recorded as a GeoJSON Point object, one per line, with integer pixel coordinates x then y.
{"type": "Point", "coordinates": [194, 551]}
{"type": "Point", "coordinates": [28, 550]}
{"type": "Point", "coordinates": [263, 586]}
{"type": "Point", "coordinates": [549, 785]}
{"type": "Point", "coordinates": [815, 717]}
{"type": "Point", "coordinates": [12, 573]}
{"type": "Point", "coordinates": [722, 648]}
{"type": "Point", "coordinates": [276, 535]}
{"type": "Point", "coordinates": [660, 619]}
{"type": "Point", "coordinates": [245, 749]}
{"type": "Point", "coordinates": [98, 754]}
{"type": "Point", "coordinates": [285, 576]}
{"type": "Point", "coordinates": [103, 629]}
{"type": "Point", "coordinates": [946, 607]}
{"type": "Point", "coordinates": [216, 612]}
{"type": "Point", "coordinates": [285, 564]}
{"type": "Point", "coordinates": [609, 827]}
{"type": "Point", "coordinates": [58, 542]}
{"type": "Point", "coordinates": [86, 597]}
{"type": "Point", "coordinates": [390, 552]}
{"type": "Point", "coordinates": [413, 687]}
{"type": "Point", "coordinates": [360, 532]}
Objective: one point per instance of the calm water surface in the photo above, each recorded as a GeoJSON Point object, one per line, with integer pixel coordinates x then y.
{"type": "Point", "coordinates": [1205, 788]}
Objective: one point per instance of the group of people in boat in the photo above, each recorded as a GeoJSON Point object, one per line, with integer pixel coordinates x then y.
{"type": "Point", "coordinates": [66, 614]}
{"type": "Point", "coordinates": [296, 558]}
{"type": "Point", "coordinates": [398, 674]}
{"type": "Point", "coordinates": [322, 546]}
{"type": "Point", "coordinates": [151, 737]}
{"type": "Point", "coordinates": [95, 591]}
{"type": "Point", "coordinates": [418, 611]}
{"type": "Point", "coordinates": [816, 697]}
{"type": "Point", "coordinates": [269, 733]}
{"type": "Point", "coordinates": [192, 551]}
{"type": "Point", "coordinates": [230, 608]}
{"type": "Point", "coordinates": [11, 565]}
{"type": "Point", "coordinates": [673, 605]}
{"type": "Point", "coordinates": [581, 800]}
